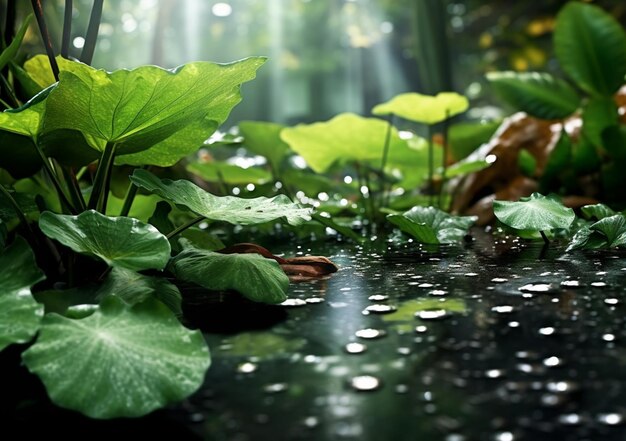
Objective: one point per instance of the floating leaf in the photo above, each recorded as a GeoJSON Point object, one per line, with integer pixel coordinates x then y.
{"type": "Point", "coordinates": [591, 48]}
{"type": "Point", "coordinates": [598, 211]}
{"type": "Point", "coordinates": [262, 345]}
{"type": "Point", "coordinates": [347, 137]}
{"type": "Point", "coordinates": [119, 241]}
{"type": "Point", "coordinates": [169, 112]}
{"type": "Point", "coordinates": [228, 173]}
{"type": "Point", "coordinates": [134, 288]}
{"type": "Point", "coordinates": [137, 359]}
{"type": "Point", "coordinates": [20, 314]}
{"type": "Point", "coordinates": [613, 228]}
{"type": "Point", "coordinates": [424, 109]}
{"type": "Point", "coordinates": [252, 275]}
{"type": "Point", "coordinates": [226, 208]}
{"type": "Point", "coordinates": [263, 138]}
{"type": "Point", "coordinates": [536, 212]}
{"type": "Point", "coordinates": [539, 94]}
{"type": "Point", "coordinates": [430, 225]}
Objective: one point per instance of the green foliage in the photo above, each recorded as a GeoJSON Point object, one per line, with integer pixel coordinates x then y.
{"type": "Point", "coordinates": [254, 276]}
{"type": "Point", "coordinates": [10, 51]}
{"type": "Point", "coordinates": [591, 48]}
{"type": "Point", "coordinates": [608, 232]}
{"type": "Point", "coordinates": [539, 94]}
{"type": "Point", "coordinates": [424, 109]}
{"type": "Point", "coordinates": [597, 211]}
{"type": "Point", "coordinates": [263, 138]}
{"type": "Point", "coordinates": [430, 225]}
{"type": "Point", "coordinates": [537, 213]}
{"type": "Point", "coordinates": [138, 359]}
{"type": "Point", "coordinates": [228, 173]}
{"type": "Point", "coordinates": [119, 241]}
{"type": "Point", "coordinates": [226, 208]}
{"type": "Point", "coordinates": [20, 314]}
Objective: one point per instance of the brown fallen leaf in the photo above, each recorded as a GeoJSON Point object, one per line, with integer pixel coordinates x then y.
{"type": "Point", "coordinates": [297, 268]}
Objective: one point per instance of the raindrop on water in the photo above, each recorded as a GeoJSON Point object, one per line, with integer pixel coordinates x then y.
{"type": "Point", "coordinates": [502, 309]}
{"type": "Point", "coordinates": [379, 309]}
{"type": "Point", "coordinates": [293, 302]}
{"type": "Point", "coordinates": [370, 333]}
{"type": "Point", "coordinates": [378, 298]}
{"type": "Point", "coordinates": [537, 288]}
{"type": "Point", "coordinates": [365, 383]}
{"type": "Point", "coordinates": [610, 419]}
{"type": "Point", "coordinates": [355, 348]}
{"type": "Point", "coordinates": [247, 367]}
{"type": "Point", "coordinates": [431, 314]}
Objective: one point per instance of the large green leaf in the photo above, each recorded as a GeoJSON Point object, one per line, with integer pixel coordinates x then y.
{"type": "Point", "coordinates": [119, 361]}
{"type": "Point", "coordinates": [263, 138]}
{"type": "Point", "coordinates": [613, 228]}
{"type": "Point", "coordinates": [11, 50]}
{"type": "Point", "coordinates": [39, 70]}
{"type": "Point", "coordinates": [598, 211]}
{"type": "Point", "coordinates": [20, 314]}
{"type": "Point", "coordinates": [134, 288]}
{"type": "Point", "coordinates": [591, 48]}
{"type": "Point", "coordinates": [119, 241]}
{"type": "Point", "coordinates": [426, 109]}
{"type": "Point", "coordinates": [252, 275]}
{"type": "Point", "coordinates": [226, 208]}
{"type": "Point", "coordinates": [432, 226]}
{"type": "Point", "coordinates": [539, 94]}
{"type": "Point", "coordinates": [347, 137]}
{"type": "Point", "coordinates": [537, 213]}
{"type": "Point", "coordinates": [229, 173]}
{"type": "Point", "coordinates": [599, 114]}
{"type": "Point", "coordinates": [148, 107]}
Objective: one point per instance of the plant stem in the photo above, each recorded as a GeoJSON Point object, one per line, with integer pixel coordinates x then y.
{"type": "Point", "coordinates": [18, 210]}
{"type": "Point", "coordinates": [383, 163]}
{"type": "Point", "coordinates": [102, 175]}
{"type": "Point", "coordinates": [222, 182]}
{"type": "Point", "coordinates": [431, 165]}
{"type": "Point", "coordinates": [359, 178]}
{"type": "Point", "coordinates": [444, 160]}
{"type": "Point", "coordinates": [74, 189]}
{"type": "Point", "coordinates": [86, 55]}
{"type": "Point", "coordinates": [9, 23]}
{"type": "Point", "coordinates": [544, 237]}
{"type": "Point", "coordinates": [6, 87]}
{"type": "Point", "coordinates": [55, 180]}
{"type": "Point", "coordinates": [67, 28]}
{"type": "Point", "coordinates": [45, 35]}
{"type": "Point", "coordinates": [184, 226]}
{"type": "Point", "coordinates": [130, 195]}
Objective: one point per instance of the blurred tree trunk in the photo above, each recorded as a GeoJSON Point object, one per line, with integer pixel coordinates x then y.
{"type": "Point", "coordinates": [164, 14]}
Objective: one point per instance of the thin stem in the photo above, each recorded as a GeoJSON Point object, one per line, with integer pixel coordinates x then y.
{"type": "Point", "coordinates": [67, 28]}
{"type": "Point", "coordinates": [5, 104]}
{"type": "Point", "coordinates": [431, 165]}
{"type": "Point", "coordinates": [383, 163]}
{"type": "Point", "coordinates": [18, 210]}
{"type": "Point", "coordinates": [107, 184]}
{"type": "Point", "coordinates": [55, 180]}
{"type": "Point", "coordinates": [544, 237]}
{"type": "Point", "coordinates": [9, 23]}
{"type": "Point", "coordinates": [74, 189]}
{"type": "Point", "coordinates": [81, 172]}
{"type": "Point", "coordinates": [45, 35]}
{"type": "Point", "coordinates": [4, 84]}
{"type": "Point", "coordinates": [222, 182]}
{"type": "Point", "coordinates": [130, 196]}
{"type": "Point", "coordinates": [101, 175]}
{"type": "Point", "coordinates": [359, 179]}
{"type": "Point", "coordinates": [86, 55]}
{"type": "Point", "coordinates": [444, 160]}
{"type": "Point", "coordinates": [184, 226]}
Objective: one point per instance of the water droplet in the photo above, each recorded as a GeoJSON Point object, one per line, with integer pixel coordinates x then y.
{"type": "Point", "coordinates": [561, 386]}
{"type": "Point", "coordinates": [503, 309]}
{"type": "Point", "coordinates": [494, 373]}
{"type": "Point", "coordinates": [548, 330]}
{"type": "Point", "coordinates": [310, 422]}
{"type": "Point", "coordinates": [369, 333]}
{"type": "Point", "coordinates": [537, 288]}
{"type": "Point", "coordinates": [552, 361]}
{"type": "Point", "coordinates": [608, 337]}
{"type": "Point", "coordinates": [499, 280]}
{"type": "Point", "coordinates": [402, 388]}
{"type": "Point", "coordinates": [431, 314]}
{"type": "Point", "coordinates": [425, 285]}
{"type": "Point", "coordinates": [514, 324]}
{"type": "Point", "coordinates": [314, 300]}
{"type": "Point", "coordinates": [379, 309]}
{"type": "Point", "coordinates": [438, 292]}
{"type": "Point", "coordinates": [569, 419]}
{"type": "Point", "coordinates": [293, 303]}
{"type": "Point", "coordinates": [365, 383]}
{"type": "Point", "coordinates": [404, 351]}
{"type": "Point", "coordinates": [355, 348]}
{"type": "Point", "coordinates": [378, 298]}
{"type": "Point", "coordinates": [571, 284]}
{"type": "Point", "coordinates": [611, 301]}
{"type": "Point", "coordinates": [610, 419]}
{"type": "Point", "coordinates": [420, 329]}
{"type": "Point", "coordinates": [598, 284]}
{"type": "Point", "coordinates": [275, 388]}
{"type": "Point", "coordinates": [504, 436]}
{"type": "Point", "coordinates": [247, 367]}
{"type": "Point", "coordinates": [470, 274]}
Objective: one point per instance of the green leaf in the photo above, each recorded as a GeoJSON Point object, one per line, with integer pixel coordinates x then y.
{"type": "Point", "coordinates": [464, 138]}
{"type": "Point", "coordinates": [142, 208]}
{"type": "Point", "coordinates": [11, 50]}
{"type": "Point", "coordinates": [4, 232]}
{"type": "Point", "coordinates": [527, 163]}
{"type": "Point", "coordinates": [613, 228]}
{"type": "Point", "coordinates": [202, 239]}
{"type": "Point", "coordinates": [347, 137]}
{"type": "Point", "coordinates": [598, 211]}
{"type": "Point", "coordinates": [539, 94]}
{"type": "Point", "coordinates": [263, 138]}
{"type": "Point", "coordinates": [585, 238]}
{"type": "Point", "coordinates": [591, 48]}
{"type": "Point", "coordinates": [39, 70]}
{"type": "Point", "coordinates": [558, 161]}
{"type": "Point", "coordinates": [536, 212]}
{"type": "Point", "coordinates": [226, 208]}
{"type": "Point", "coordinates": [148, 107]}
{"type": "Point", "coordinates": [585, 158]}
{"type": "Point", "coordinates": [119, 241]}
{"type": "Point", "coordinates": [598, 114]}
{"type": "Point", "coordinates": [255, 277]}
{"type": "Point", "coordinates": [463, 168]}
{"type": "Point", "coordinates": [30, 87]}
{"type": "Point", "coordinates": [430, 225]}
{"type": "Point", "coordinates": [424, 109]}
{"type": "Point", "coordinates": [119, 361]}
{"type": "Point", "coordinates": [228, 173]}
{"type": "Point", "coordinates": [20, 314]}
{"type": "Point", "coordinates": [134, 288]}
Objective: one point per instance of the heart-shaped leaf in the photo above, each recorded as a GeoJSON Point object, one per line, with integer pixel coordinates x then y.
{"type": "Point", "coordinates": [20, 314]}
{"type": "Point", "coordinates": [225, 208]}
{"type": "Point", "coordinates": [347, 137]}
{"type": "Point", "coordinates": [430, 225]}
{"type": "Point", "coordinates": [539, 94]}
{"type": "Point", "coordinates": [253, 276]}
{"type": "Point", "coordinates": [424, 109]}
{"type": "Point", "coordinates": [147, 107]}
{"type": "Point", "coordinates": [134, 288]}
{"type": "Point", "coordinates": [137, 359]}
{"type": "Point", "coordinates": [228, 173]}
{"type": "Point", "coordinates": [591, 48]}
{"type": "Point", "coordinates": [263, 138]}
{"type": "Point", "coordinates": [537, 213]}
{"type": "Point", "coordinates": [119, 241]}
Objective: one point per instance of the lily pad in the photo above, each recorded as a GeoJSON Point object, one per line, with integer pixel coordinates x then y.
{"type": "Point", "coordinates": [263, 138]}
{"type": "Point", "coordinates": [255, 277]}
{"type": "Point", "coordinates": [134, 288]}
{"type": "Point", "coordinates": [164, 114]}
{"type": "Point", "coordinates": [138, 359]}
{"type": "Point", "coordinates": [536, 212]}
{"type": "Point", "coordinates": [222, 208]}
{"type": "Point", "coordinates": [119, 241]}
{"type": "Point", "coordinates": [228, 173]}
{"type": "Point", "coordinates": [430, 225]}
{"type": "Point", "coordinates": [20, 314]}
{"type": "Point", "coordinates": [424, 109]}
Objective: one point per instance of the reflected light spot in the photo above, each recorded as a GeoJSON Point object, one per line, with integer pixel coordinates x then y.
{"type": "Point", "coordinates": [222, 9]}
{"type": "Point", "coordinates": [78, 42]}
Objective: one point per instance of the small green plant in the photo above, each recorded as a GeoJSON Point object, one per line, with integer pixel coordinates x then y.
{"type": "Point", "coordinates": [432, 226]}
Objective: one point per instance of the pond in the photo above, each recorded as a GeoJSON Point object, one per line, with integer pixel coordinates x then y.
{"type": "Point", "coordinates": [497, 340]}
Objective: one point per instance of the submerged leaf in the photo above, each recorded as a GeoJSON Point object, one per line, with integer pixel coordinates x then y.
{"type": "Point", "coordinates": [138, 359]}
{"type": "Point", "coordinates": [252, 275]}
{"type": "Point", "coordinates": [425, 109]}
{"type": "Point", "coordinates": [536, 212]}
{"type": "Point", "coordinates": [119, 241]}
{"type": "Point", "coordinates": [20, 314]}
{"type": "Point", "coordinates": [225, 208]}
{"type": "Point", "coordinates": [430, 225]}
